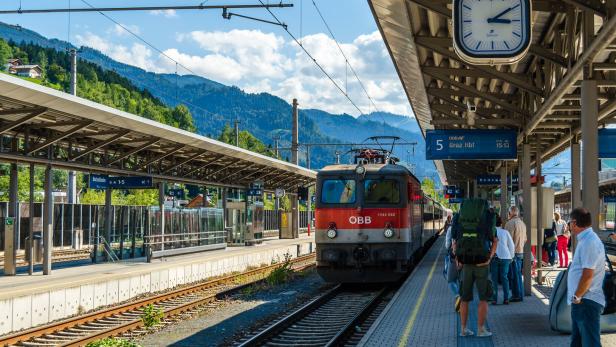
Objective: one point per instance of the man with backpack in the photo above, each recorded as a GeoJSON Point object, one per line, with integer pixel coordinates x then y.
{"type": "Point", "coordinates": [474, 245]}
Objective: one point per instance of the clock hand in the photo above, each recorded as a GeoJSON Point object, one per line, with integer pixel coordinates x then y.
{"type": "Point", "coordinates": [499, 20]}
{"type": "Point", "coordinates": [504, 12]}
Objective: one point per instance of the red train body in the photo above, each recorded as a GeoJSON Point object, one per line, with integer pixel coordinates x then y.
{"type": "Point", "coordinates": [372, 220]}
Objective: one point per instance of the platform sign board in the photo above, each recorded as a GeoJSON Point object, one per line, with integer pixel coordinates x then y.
{"type": "Point", "coordinates": [130, 182]}
{"type": "Point", "coordinates": [607, 139]}
{"type": "Point", "coordinates": [471, 144]}
{"type": "Point", "coordinates": [494, 180]}
{"type": "Point", "coordinates": [96, 181]}
{"type": "Point", "coordinates": [608, 199]}
{"type": "Point", "coordinates": [455, 200]}
{"type": "Point", "coordinates": [177, 193]}
{"type": "Point", "coordinates": [452, 192]}
{"type": "Point", "coordinates": [254, 192]}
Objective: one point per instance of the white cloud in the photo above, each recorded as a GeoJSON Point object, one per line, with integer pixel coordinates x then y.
{"type": "Point", "coordinates": [258, 61]}
{"type": "Point", "coordinates": [120, 31]}
{"type": "Point", "coordinates": [165, 13]}
{"type": "Point", "coordinates": [137, 54]}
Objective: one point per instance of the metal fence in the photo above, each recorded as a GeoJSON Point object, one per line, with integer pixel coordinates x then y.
{"type": "Point", "coordinates": [186, 228]}
{"type": "Point", "coordinates": [79, 226]}
{"type": "Point", "coordinates": [272, 220]}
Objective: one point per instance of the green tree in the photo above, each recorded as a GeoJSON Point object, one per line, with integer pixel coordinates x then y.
{"type": "Point", "coordinates": [6, 52]}
{"type": "Point", "coordinates": [181, 114]}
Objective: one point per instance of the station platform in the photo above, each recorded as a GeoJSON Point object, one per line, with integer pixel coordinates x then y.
{"type": "Point", "coordinates": [422, 314]}
{"type": "Point", "coordinates": [28, 301]}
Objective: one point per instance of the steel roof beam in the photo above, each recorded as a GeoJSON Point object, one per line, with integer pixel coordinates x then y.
{"type": "Point", "coordinates": [32, 112]}
{"type": "Point", "coordinates": [133, 151]}
{"type": "Point", "coordinates": [605, 37]}
{"type": "Point", "coordinates": [445, 78]}
{"type": "Point", "coordinates": [441, 46]}
{"type": "Point", "coordinates": [589, 5]}
{"type": "Point", "coordinates": [104, 143]}
{"type": "Point", "coordinates": [214, 173]}
{"type": "Point", "coordinates": [61, 136]}
{"type": "Point", "coordinates": [463, 93]}
{"type": "Point", "coordinates": [548, 55]}
{"type": "Point", "coordinates": [486, 112]}
{"type": "Point", "coordinates": [434, 6]}
{"type": "Point", "coordinates": [480, 121]}
{"type": "Point", "coordinates": [163, 156]}
{"type": "Point", "coordinates": [52, 125]}
{"type": "Point", "coordinates": [216, 159]}
{"type": "Point", "coordinates": [190, 158]}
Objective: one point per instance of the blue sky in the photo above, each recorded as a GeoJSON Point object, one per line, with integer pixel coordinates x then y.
{"type": "Point", "coordinates": [256, 57]}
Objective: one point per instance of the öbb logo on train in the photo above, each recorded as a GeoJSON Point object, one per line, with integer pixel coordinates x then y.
{"type": "Point", "coordinates": [360, 219]}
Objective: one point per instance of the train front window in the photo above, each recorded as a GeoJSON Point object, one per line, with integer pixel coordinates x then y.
{"type": "Point", "coordinates": [381, 192]}
{"type": "Point", "coordinates": [338, 191]}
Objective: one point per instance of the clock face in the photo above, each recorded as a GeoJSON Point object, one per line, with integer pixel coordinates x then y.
{"type": "Point", "coordinates": [491, 29]}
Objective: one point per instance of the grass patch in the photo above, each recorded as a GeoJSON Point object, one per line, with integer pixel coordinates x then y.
{"type": "Point", "coordinates": [112, 342]}
{"type": "Point", "coordinates": [280, 275]}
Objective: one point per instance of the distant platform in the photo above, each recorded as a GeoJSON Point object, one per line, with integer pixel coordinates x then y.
{"type": "Point", "coordinates": [422, 314]}
{"type": "Point", "coordinates": [27, 301]}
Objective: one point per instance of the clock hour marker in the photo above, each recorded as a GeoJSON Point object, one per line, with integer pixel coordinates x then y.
{"type": "Point", "coordinates": [467, 35]}
{"type": "Point", "coordinates": [516, 34]}
{"type": "Point", "coordinates": [506, 44]}
{"type": "Point", "coordinates": [468, 21]}
{"type": "Point", "coordinates": [468, 8]}
{"type": "Point", "coordinates": [478, 44]}
{"type": "Point", "coordinates": [492, 45]}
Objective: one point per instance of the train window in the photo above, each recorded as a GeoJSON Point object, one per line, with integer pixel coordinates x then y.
{"type": "Point", "coordinates": [381, 192]}
{"type": "Point", "coordinates": [338, 191]}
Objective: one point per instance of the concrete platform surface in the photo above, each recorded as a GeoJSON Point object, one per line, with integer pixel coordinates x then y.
{"type": "Point", "coordinates": [422, 314]}
{"type": "Point", "coordinates": [28, 301]}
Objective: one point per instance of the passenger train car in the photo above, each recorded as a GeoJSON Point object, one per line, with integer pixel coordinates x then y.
{"type": "Point", "coordinates": [372, 219]}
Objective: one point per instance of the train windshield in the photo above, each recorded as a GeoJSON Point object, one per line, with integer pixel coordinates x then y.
{"type": "Point", "coordinates": [381, 192]}
{"type": "Point", "coordinates": [338, 191]}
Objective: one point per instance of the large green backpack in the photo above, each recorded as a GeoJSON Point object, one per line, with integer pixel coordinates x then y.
{"type": "Point", "coordinates": [474, 230]}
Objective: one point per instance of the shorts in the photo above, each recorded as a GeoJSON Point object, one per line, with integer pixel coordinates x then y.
{"type": "Point", "coordinates": [479, 276]}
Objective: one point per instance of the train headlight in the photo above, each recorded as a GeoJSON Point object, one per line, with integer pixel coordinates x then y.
{"type": "Point", "coordinates": [360, 170]}
{"type": "Point", "coordinates": [331, 233]}
{"type": "Point", "coordinates": [388, 233]}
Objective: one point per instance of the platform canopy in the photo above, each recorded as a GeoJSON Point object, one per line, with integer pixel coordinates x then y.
{"type": "Point", "coordinates": [539, 96]}
{"type": "Point", "coordinates": [73, 133]}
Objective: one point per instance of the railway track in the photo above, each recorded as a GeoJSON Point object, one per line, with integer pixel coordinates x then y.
{"type": "Point", "coordinates": [334, 318]}
{"type": "Point", "coordinates": [125, 320]}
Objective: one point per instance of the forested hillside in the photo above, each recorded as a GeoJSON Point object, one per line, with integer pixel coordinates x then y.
{"type": "Point", "coordinates": [93, 83]}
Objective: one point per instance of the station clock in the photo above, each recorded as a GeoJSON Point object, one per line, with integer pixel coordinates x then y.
{"type": "Point", "coordinates": [492, 31]}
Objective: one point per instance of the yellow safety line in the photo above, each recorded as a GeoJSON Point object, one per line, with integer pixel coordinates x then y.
{"type": "Point", "coordinates": [409, 325]}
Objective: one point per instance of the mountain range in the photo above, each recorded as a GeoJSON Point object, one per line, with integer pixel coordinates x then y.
{"type": "Point", "coordinates": [213, 105]}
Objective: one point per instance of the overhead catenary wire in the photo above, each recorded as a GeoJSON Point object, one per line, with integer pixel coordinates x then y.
{"type": "Point", "coordinates": [313, 59]}
{"type": "Point", "coordinates": [178, 100]}
{"type": "Point", "coordinates": [346, 59]}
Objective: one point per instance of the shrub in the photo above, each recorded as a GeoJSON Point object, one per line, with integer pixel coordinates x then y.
{"type": "Point", "coordinates": [151, 316]}
{"type": "Point", "coordinates": [112, 342]}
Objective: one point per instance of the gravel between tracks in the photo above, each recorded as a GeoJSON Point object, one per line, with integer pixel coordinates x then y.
{"type": "Point", "coordinates": [237, 315]}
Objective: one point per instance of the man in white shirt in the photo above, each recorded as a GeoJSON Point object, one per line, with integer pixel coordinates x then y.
{"type": "Point", "coordinates": [499, 266]}
{"type": "Point", "coordinates": [585, 282]}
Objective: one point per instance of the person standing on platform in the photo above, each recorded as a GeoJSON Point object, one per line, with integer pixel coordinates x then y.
{"type": "Point", "coordinates": [451, 267]}
{"type": "Point", "coordinates": [474, 245]}
{"type": "Point", "coordinates": [585, 282]}
{"type": "Point", "coordinates": [562, 235]}
{"type": "Point", "coordinates": [517, 229]}
{"type": "Point", "coordinates": [499, 266]}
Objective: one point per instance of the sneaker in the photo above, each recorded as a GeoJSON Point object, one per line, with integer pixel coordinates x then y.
{"type": "Point", "coordinates": [494, 302]}
{"type": "Point", "coordinates": [516, 299]}
{"type": "Point", "coordinates": [467, 332]}
{"type": "Point", "coordinates": [506, 302]}
{"type": "Point", "coordinates": [484, 333]}
{"type": "Point", "coordinates": [458, 302]}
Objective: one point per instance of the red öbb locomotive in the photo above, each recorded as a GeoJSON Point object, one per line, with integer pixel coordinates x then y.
{"type": "Point", "coordinates": [372, 219]}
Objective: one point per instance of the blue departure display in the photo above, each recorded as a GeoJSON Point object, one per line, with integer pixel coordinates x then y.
{"type": "Point", "coordinates": [471, 144]}
{"type": "Point", "coordinates": [119, 182]}
{"type": "Point", "coordinates": [607, 141]}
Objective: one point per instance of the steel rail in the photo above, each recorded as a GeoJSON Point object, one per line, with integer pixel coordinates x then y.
{"type": "Point", "coordinates": [296, 317]}
{"type": "Point", "coordinates": [134, 305]}
{"type": "Point", "coordinates": [144, 8]}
